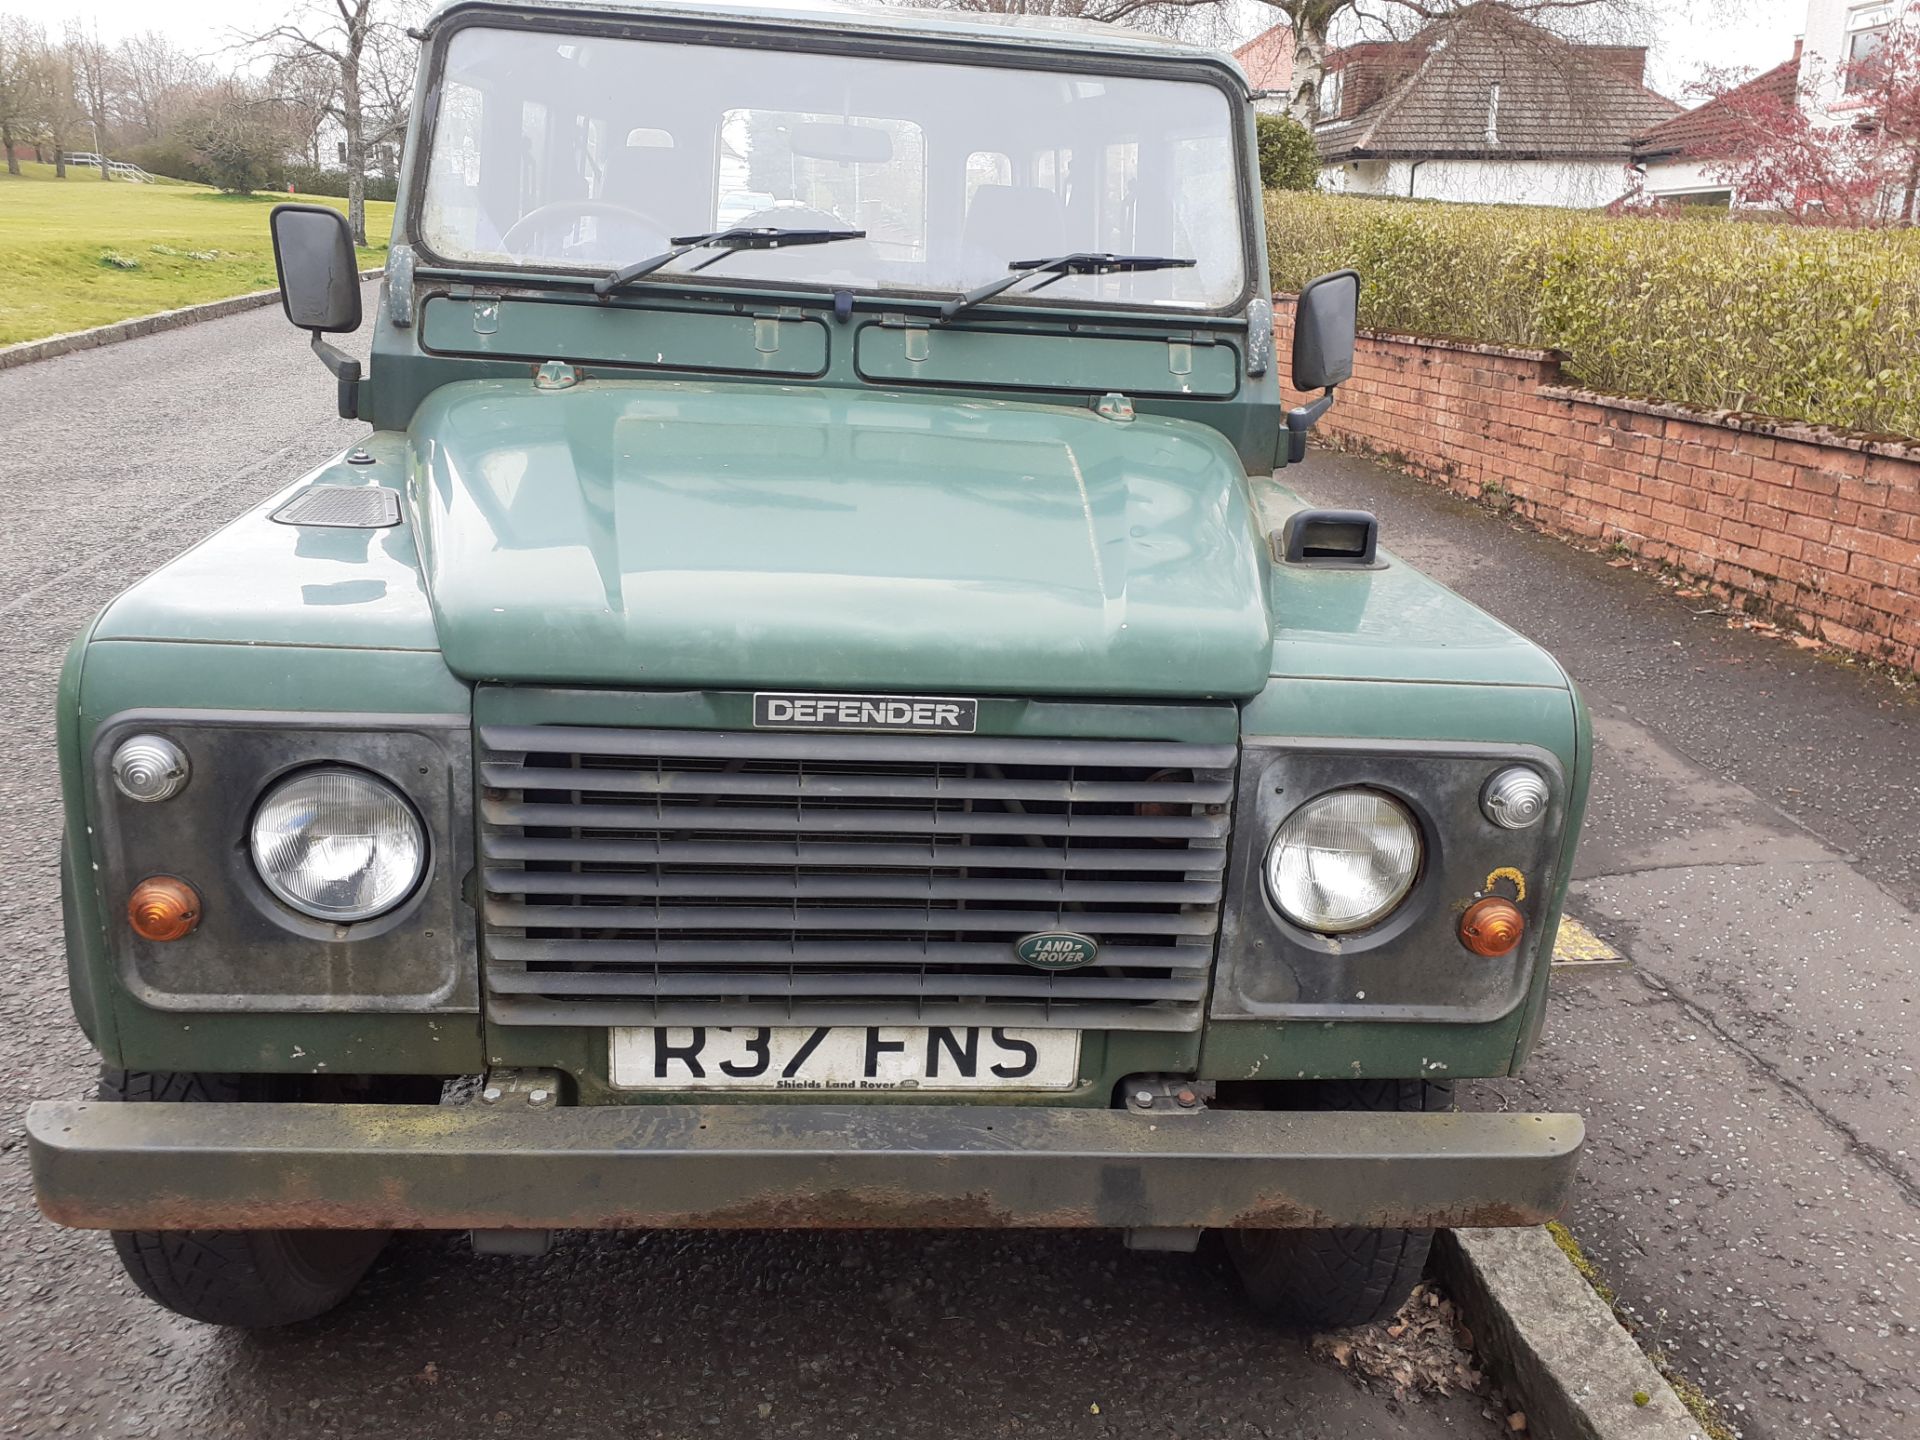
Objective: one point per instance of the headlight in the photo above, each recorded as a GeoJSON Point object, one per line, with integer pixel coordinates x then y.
{"type": "Point", "coordinates": [1343, 861]}
{"type": "Point", "coordinates": [338, 844]}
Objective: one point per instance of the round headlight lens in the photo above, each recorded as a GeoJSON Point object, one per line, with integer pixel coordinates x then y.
{"type": "Point", "coordinates": [1343, 861]}
{"type": "Point", "coordinates": [338, 844]}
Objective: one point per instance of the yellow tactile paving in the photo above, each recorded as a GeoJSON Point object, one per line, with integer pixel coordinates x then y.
{"type": "Point", "coordinates": [1577, 945]}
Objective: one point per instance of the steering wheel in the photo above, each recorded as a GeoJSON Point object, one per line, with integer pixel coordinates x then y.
{"type": "Point", "coordinates": [573, 210]}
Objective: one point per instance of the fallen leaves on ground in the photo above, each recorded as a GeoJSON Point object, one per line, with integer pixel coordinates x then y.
{"type": "Point", "coordinates": [1425, 1349]}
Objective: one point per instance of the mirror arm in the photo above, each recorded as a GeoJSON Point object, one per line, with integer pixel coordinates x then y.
{"type": "Point", "coordinates": [1300, 420]}
{"type": "Point", "coordinates": [346, 370]}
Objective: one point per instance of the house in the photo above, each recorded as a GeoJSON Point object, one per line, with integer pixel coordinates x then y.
{"type": "Point", "coordinates": [1267, 60]}
{"type": "Point", "coordinates": [1688, 157]}
{"type": "Point", "coordinates": [1841, 36]}
{"type": "Point", "coordinates": [1682, 159]}
{"type": "Point", "coordinates": [1485, 106]}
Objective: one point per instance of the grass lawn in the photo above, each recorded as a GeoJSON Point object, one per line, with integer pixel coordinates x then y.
{"type": "Point", "coordinates": [186, 243]}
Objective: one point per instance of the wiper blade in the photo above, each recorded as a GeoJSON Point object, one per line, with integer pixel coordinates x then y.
{"type": "Point", "coordinates": [1082, 262]}
{"type": "Point", "coordinates": [741, 237]}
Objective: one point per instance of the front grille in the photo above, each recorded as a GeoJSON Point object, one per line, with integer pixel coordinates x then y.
{"type": "Point", "coordinates": [717, 877]}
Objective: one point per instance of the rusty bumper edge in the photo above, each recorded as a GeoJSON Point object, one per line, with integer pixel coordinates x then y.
{"type": "Point", "coordinates": [133, 1166]}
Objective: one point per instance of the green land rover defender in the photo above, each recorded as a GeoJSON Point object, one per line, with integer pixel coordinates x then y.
{"type": "Point", "coordinates": [806, 707]}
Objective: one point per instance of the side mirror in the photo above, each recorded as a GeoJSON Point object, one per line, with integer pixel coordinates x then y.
{"type": "Point", "coordinates": [319, 277]}
{"type": "Point", "coordinates": [1324, 323]}
{"type": "Point", "coordinates": [1326, 319]}
{"type": "Point", "coordinates": [319, 274]}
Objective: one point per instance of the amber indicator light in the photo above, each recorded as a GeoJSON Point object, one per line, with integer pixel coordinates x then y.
{"type": "Point", "coordinates": [163, 908]}
{"type": "Point", "coordinates": [1492, 926]}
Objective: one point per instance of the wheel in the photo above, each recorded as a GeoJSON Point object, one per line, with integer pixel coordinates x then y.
{"type": "Point", "coordinates": [1331, 1279]}
{"type": "Point", "coordinates": [250, 1279]}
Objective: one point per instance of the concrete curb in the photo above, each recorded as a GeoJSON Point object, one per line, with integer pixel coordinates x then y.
{"type": "Point", "coordinates": [1554, 1344]}
{"type": "Point", "coordinates": [28, 351]}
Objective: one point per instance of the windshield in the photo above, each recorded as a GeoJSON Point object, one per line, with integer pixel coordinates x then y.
{"type": "Point", "coordinates": [590, 152]}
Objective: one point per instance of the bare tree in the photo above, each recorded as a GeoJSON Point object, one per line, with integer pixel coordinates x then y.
{"type": "Point", "coordinates": [19, 91]}
{"type": "Point", "coordinates": [360, 40]}
{"type": "Point", "coordinates": [307, 92]}
{"type": "Point", "coordinates": [159, 82]}
{"type": "Point", "coordinates": [56, 106]}
{"type": "Point", "coordinates": [96, 79]}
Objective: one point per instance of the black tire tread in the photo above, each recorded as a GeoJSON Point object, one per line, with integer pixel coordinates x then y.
{"type": "Point", "coordinates": [250, 1279]}
{"type": "Point", "coordinates": [1338, 1278]}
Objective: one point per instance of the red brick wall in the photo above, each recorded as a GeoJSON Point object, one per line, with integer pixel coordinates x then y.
{"type": "Point", "coordinates": [1818, 528]}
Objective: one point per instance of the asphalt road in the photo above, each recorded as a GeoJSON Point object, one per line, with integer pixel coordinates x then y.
{"type": "Point", "coordinates": [1752, 1181]}
{"type": "Point", "coordinates": [113, 460]}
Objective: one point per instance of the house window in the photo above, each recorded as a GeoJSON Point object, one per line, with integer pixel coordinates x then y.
{"type": "Point", "coordinates": [1332, 91]}
{"type": "Point", "coordinates": [1865, 58]}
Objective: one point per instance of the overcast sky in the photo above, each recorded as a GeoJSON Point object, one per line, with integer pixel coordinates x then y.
{"type": "Point", "coordinates": [1756, 34]}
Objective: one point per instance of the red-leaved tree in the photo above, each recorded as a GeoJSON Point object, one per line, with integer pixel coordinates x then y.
{"type": "Point", "coordinates": [1791, 151]}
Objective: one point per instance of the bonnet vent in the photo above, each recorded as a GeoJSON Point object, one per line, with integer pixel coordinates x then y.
{"type": "Point", "coordinates": [344, 507]}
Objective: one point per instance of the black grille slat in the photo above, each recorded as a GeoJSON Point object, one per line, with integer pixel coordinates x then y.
{"type": "Point", "coordinates": [1185, 959]}
{"type": "Point", "coordinates": [507, 845]}
{"type": "Point", "coordinates": [894, 787]}
{"type": "Point", "coordinates": [690, 818]}
{"type": "Point", "coordinates": [882, 986]}
{"type": "Point", "coordinates": [894, 919]}
{"type": "Point", "coordinates": [872, 885]}
{"type": "Point", "coordinates": [726, 877]}
{"type": "Point", "coordinates": [503, 740]}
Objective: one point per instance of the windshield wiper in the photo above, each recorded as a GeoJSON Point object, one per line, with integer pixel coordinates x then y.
{"type": "Point", "coordinates": [741, 237]}
{"type": "Point", "coordinates": [1084, 262]}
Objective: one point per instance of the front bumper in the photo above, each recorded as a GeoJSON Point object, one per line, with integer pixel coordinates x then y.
{"type": "Point", "coordinates": [118, 1165]}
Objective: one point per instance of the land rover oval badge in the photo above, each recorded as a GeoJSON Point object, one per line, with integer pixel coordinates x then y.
{"type": "Point", "coordinates": [1056, 950]}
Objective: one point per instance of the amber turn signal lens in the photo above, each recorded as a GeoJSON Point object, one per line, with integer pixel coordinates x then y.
{"type": "Point", "coordinates": [163, 908]}
{"type": "Point", "coordinates": [1492, 926]}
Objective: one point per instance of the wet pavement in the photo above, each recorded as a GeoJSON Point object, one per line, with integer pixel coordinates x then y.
{"type": "Point", "coordinates": [1751, 1185]}
{"type": "Point", "coordinates": [116, 459]}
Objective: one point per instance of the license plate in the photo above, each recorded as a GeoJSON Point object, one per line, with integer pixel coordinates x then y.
{"type": "Point", "coordinates": [844, 1057]}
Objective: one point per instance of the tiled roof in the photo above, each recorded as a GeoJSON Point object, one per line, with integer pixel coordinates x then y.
{"type": "Point", "coordinates": [1268, 59]}
{"type": "Point", "coordinates": [1711, 130]}
{"type": "Point", "coordinates": [1552, 100]}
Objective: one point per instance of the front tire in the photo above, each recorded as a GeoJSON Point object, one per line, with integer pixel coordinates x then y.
{"type": "Point", "coordinates": [249, 1279]}
{"type": "Point", "coordinates": [1333, 1279]}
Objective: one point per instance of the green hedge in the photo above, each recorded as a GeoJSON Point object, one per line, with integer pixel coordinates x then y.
{"type": "Point", "coordinates": [1807, 324]}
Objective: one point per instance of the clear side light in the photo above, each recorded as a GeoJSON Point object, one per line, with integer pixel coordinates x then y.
{"type": "Point", "coordinates": [1515, 798]}
{"type": "Point", "coordinates": [149, 768]}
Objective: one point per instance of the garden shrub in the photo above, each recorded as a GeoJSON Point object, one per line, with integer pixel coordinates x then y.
{"type": "Point", "coordinates": [1821, 325]}
{"type": "Point", "coordinates": [1288, 160]}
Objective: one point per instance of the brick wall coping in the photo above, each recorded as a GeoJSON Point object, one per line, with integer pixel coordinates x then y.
{"type": "Point", "coordinates": [1465, 347]}
{"type": "Point", "coordinates": [1892, 446]}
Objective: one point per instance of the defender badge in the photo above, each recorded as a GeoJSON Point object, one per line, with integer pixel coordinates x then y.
{"type": "Point", "coordinates": [1056, 950]}
{"type": "Point", "coordinates": [916, 714]}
